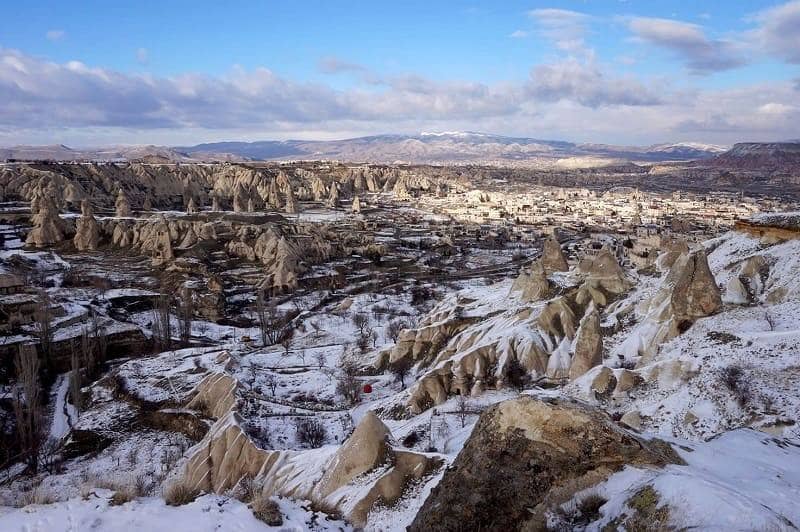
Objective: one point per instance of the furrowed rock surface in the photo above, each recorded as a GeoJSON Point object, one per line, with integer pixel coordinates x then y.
{"type": "Point", "coordinates": [524, 457]}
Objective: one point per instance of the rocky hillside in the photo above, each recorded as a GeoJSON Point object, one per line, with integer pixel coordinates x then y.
{"type": "Point", "coordinates": [771, 156]}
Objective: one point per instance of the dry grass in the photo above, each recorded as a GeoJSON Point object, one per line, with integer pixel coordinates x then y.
{"type": "Point", "coordinates": [180, 493]}
{"type": "Point", "coordinates": [37, 495]}
{"type": "Point", "coordinates": [267, 510]}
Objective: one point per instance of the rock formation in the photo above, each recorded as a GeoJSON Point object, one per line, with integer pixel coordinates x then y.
{"type": "Point", "coordinates": [291, 202]}
{"type": "Point", "coordinates": [48, 228]}
{"type": "Point", "coordinates": [122, 206]}
{"type": "Point", "coordinates": [552, 257]}
{"type": "Point", "coordinates": [356, 208]}
{"type": "Point", "coordinates": [191, 208]}
{"type": "Point", "coordinates": [525, 457]}
{"type": "Point", "coordinates": [588, 345]}
{"type": "Point", "coordinates": [534, 285]}
{"type": "Point", "coordinates": [333, 198]}
{"type": "Point", "coordinates": [87, 230]}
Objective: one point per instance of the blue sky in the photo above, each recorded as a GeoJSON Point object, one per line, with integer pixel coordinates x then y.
{"type": "Point", "coordinates": [603, 71]}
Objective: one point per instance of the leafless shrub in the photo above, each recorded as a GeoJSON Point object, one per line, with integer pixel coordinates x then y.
{"type": "Point", "coordinates": [578, 513]}
{"type": "Point", "coordinates": [122, 495]}
{"type": "Point", "coordinates": [246, 489]}
{"type": "Point", "coordinates": [319, 358]}
{"type": "Point", "coordinates": [310, 431]}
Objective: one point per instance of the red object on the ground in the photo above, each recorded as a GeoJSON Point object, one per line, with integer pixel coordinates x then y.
{"type": "Point", "coordinates": [367, 388]}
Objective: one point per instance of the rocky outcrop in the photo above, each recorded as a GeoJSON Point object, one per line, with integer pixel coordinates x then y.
{"type": "Point", "coordinates": [122, 206]}
{"type": "Point", "coordinates": [534, 284]}
{"type": "Point", "coordinates": [552, 257]}
{"type": "Point", "coordinates": [356, 207]}
{"type": "Point", "coordinates": [333, 197]}
{"type": "Point", "coordinates": [588, 345]}
{"type": "Point", "coordinates": [526, 456]}
{"type": "Point", "coordinates": [695, 293]}
{"type": "Point", "coordinates": [48, 228]}
{"type": "Point", "coordinates": [87, 230]}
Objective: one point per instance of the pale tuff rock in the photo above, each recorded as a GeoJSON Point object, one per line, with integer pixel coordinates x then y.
{"type": "Point", "coordinates": [604, 272]}
{"type": "Point", "coordinates": [604, 382]}
{"type": "Point", "coordinates": [527, 456]}
{"type": "Point", "coordinates": [291, 202]}
{"type": "Point", "coordinates": [671, 248]}
{"type": "Point", "coordinates": [632, 419]}
{"type": "Point", "coordinates": [365, 449]}
{"type": "Point", "coordinates": [48, 228]}
{"type": "Point", "coordinates": [226, 455]}
{"type": "Point", "coordinates": [87, 230]}
{"type": "Point", "coordinates": [122, 206]}
{"type": "Point", "coordinates": [695, 294]}
{"type": "Point", "coordinates": [240, 200]}
{"type": "Point", "coordinates": [122, 235]}
{"type": "Point", "coordinates": [147, 205]}
{"type": "Point", "coordinates": [552, 257]}
{"type": "Point", "coordinates": [748, 286]}
{"type": "Point", "coordinates": [215, 204]}
{"type": "Point", "coordinates": [534, 285]}
{"type": "Point", "coordinates": [356, 208]}
{"type": "Point", "coordinates": [155, 239]}
{"type": "Point", "coordinates": [557, 319]}
{"type": "Point", "coordinates": [251, 205]}
{"type": "Point", "coordinates": [318, 189]}
{"type": "Point", "coordinates": [687, 293]}
{"type": "Point", "coordinates": [215, 396]}
{"type": "Point", "coordinates": [191, 207]}
{"type": "Point", "coordinates": [588, 345]}
{"type": "Point", "coordinates": [333, 197]}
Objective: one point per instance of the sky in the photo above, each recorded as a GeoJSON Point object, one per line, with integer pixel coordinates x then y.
{"type": "Point", "coordinates": [175, 72]}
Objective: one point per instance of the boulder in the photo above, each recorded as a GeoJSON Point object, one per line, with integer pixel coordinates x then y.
{"type": "Point", "coordinates": [524, 457]}
{"type": "Point", "coordinates": [534, 285]}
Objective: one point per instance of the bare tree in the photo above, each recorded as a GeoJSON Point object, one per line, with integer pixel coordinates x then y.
{"type": "Point", "coordinates": [271, 321]}
{"type": "Point", "coordinates": [98, 343]}
{"type": "Point", "coordinates": [347, 385]}
{"type": "Point", "coordinates": [302, 354]}
{"type": "Point", "coordinates": [44, 328]}
{"type": "Point", "coordinates": [75, 380]}
{"type": "Point", "coordinates": [394, 329]}
{"type": "Point", "coordinates": [361, 321]}
{"type": "Point", "coordinates": [185, 315]}
{"type": "Point", "coordinates": [272, 383]}
{"type": "Point", "coordinates": [463, 409]}
{"type": "Point", "coordinates": [161, 323]}
{"type": "Point", "coordinates": [770, 320]}
{"type": "Point", "coordinates": [286, 343]}
{"type": "Point", "coordinates": [27, 406]}
{"type": "Point", "coordinates": [319, 358]}
{"type": "Point", "coordinates": [310, 431]}
{"type": "Point", "coordinates": [400, 369]}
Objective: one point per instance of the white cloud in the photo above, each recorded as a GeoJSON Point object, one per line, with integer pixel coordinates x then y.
{"type": "Point", "coordinates": [519, 34]}
{"type": "Point", "coordinates": [55, 35]}
{"type": "Point", "coordinates": [43, 101]}
{"type": "Point", "coordinates": [778, 31]}
{"type": "Point", "coordinates": [566, 29]}
{"type": "Point", "coordinates": [142, 56]}
{"type": "Point", "coordinates": [689, 42]}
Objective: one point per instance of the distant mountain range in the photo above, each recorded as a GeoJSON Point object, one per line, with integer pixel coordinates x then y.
{"type": "Point", "coordinates": [452, 147]}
